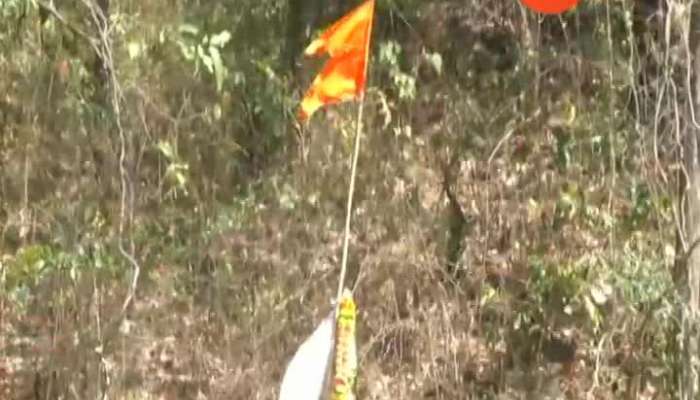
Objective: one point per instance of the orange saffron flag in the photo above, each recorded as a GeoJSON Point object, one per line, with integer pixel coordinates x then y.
{"type": "Point", "coordinates": [343, 76]}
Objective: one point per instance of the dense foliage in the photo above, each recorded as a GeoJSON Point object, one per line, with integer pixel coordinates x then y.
{"type": "Point", "coordinates": [169, 230]}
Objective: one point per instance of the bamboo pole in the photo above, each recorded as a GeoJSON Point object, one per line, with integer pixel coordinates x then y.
{"type": "Point", "coordinates": [353, 169]}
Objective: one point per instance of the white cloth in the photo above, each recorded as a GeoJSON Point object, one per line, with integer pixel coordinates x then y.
{"type": "Point", "coordinates": [307, 375]}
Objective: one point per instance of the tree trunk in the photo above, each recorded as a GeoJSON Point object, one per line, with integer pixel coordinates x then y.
{"type": "Point", "coordinates": [302, 16]}
{"type": "Point", "coordinates": [688, 280]}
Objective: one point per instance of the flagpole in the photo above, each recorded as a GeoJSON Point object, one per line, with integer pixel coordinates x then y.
{"type": "Point", "coordinates": [351, 191]}
{"type": "Point", "coordinates": [353, 169]}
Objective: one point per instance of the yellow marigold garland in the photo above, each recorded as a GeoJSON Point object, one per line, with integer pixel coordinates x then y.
{"type": "Point", "coordinates": [345, 368]}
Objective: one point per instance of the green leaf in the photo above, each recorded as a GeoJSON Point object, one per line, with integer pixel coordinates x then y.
{"type": "Point", "coordinates": [406, 85]}
{"type": "Point", "coordinates": [592, 310]}
{"type": "Point", "coordinates": [134, 49]}
{"type": "Point", "coordinates": [206, 59]}
{"type": "Point", "coordinates": [389, 53]}
{"type": "Point", "coordinates": [167, 150]}
{"type": "Point", "coordinates": [219, 68]}
{"type": "Point", "coordinates": [187, 51]}
{"type": "Point", "coordinates": [220, 39]}
{"type": "Point", "coordinates": [600, 293]}
{"type": "Point", "coordinates": [435, 60]}
{"type": "Point", "coordinates": [188, 28]}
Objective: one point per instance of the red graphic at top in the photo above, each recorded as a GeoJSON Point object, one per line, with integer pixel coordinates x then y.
{"type": "Point", "coordinates": [550, 6]}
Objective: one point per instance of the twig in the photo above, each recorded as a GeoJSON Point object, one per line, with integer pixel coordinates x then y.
{"type": "Point", "coordinates": [611, 130]}
{"type": "Point", "coordinates": [500, 143]}
{"type": "Point", "coordinates": [104, 52]}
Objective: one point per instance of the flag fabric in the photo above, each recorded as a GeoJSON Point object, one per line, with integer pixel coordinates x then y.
{"type": "Point", "coordinates": [345, 367]}
{"type": "Point", "coordinates": [341, 79]}
{"type": "Point", "coordinates": [306, 377]}
{"type": "Point", "coordinates": [349, 33]}
{"type": "Point", "coordinates": [331, 348]}
{"type": "Point", "coordinates": [343, 76]}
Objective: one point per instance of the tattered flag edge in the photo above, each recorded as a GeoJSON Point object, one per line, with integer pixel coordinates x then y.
{"type": "Point", "coordinates": [307, 375]}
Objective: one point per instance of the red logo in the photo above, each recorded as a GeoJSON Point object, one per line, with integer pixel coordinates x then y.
{"type": "Point", "coordinates": [550, 6]}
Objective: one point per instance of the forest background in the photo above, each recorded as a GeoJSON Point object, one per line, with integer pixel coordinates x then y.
{"type": "Point", "coordinates": [526, 221]}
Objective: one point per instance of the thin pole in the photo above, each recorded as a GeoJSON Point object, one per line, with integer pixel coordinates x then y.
{"type": "Point", "coordinates": [353, 168]}
{"type": "Point", "coordinates": [351, 192]}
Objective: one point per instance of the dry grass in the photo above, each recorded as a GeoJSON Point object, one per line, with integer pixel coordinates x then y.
{"type": "Point", "coordinates": [478, 256]}
{"type": "Point", "coordinates": [224, 328]}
